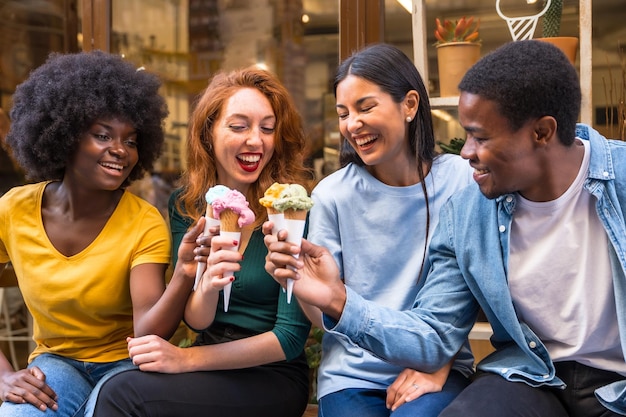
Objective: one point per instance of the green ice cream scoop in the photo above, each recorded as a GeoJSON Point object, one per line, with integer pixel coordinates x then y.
{"type": "Point", "coordinates": [293, 197]}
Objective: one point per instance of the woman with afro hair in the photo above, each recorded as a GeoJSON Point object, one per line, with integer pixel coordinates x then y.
{"type": "Point", "coordinates": [89, 256]}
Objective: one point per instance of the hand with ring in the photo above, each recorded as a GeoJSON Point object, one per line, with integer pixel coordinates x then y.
{"type": "Point", "coordinates": [411, 384]}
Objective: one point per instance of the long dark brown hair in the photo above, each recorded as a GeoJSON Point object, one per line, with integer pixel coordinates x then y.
{"type": "Point", "coordinates": [390, 69]}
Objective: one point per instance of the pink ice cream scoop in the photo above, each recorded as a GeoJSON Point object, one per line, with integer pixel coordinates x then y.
{"type": "Point", "coordinates": [235, 202]}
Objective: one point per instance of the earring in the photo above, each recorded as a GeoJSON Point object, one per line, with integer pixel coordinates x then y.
{"type": "Point", "coordinates": [408, 119]}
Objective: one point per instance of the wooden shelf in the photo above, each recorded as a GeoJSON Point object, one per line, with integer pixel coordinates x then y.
{"type": "Point", "coordinates": [444, 102]}
{"type": "Point", "coordinates": [420, 54]}
{"type": "Point", "coordinates": [481, 331]}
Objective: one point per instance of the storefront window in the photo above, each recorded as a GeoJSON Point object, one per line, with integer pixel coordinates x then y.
{"type": "Point", "coordinates": [29, 31]}
{"type": "Point", "coordinates": [187, 41]}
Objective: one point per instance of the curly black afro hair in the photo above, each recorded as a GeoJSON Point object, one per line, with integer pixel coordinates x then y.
{"type": "Point", "coordinates": [62, 98]}
{"type": "Point", "coordinates": [529, 79]}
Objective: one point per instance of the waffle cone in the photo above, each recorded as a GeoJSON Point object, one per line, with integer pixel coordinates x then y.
{"type": "Point", "coordinates": [209, 211]}
{"type": "Point", "coordinates": [291, 214]}
{"type": "Point", "coordinates": [228, 221]}
{"type": "Point", "coordinates": [272, 210]}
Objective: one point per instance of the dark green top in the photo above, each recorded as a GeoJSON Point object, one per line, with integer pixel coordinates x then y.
{"type": "Point", "coordinates": [257, 303]}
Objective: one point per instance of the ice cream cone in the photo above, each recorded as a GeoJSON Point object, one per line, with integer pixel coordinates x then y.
{"type": "Point", "coordinates": [277, 218]}
{"type": "Point", "coordinates": [289, 290]}
{"type": "Point", "coordinates": [213, 193]}
{"type": "Point", "coordinates": [210, 222]}
{"type": "Point", "coordinates": [226, 290]}
{"type": "Point", "coordinates": [234, 213]}
{"type": "Point", "coordinates": [229, 221]}
{"type": "Point", "coordinates": [295, 203]}
{"type": "Point", "coordinates": [274, 215]}
{"type": "Point", "coordinates": [209, 212]}
{"type": "Point", "coordinates": [271, 211]}
{"type": "Point", "coordinates": [229, 227]}
{"type": "Point", "coordinates": [295, 221]}
{"type": "Point", "coordinates": [291, 214]}
{"type": "Point", "coordinates": [235, 236]}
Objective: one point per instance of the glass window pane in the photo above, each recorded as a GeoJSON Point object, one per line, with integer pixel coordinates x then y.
{"type": "Point", "coordinates": [187, 41]}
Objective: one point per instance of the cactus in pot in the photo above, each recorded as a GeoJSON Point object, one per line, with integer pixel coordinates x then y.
{"type": "Point", "coordinates": [551, 21]}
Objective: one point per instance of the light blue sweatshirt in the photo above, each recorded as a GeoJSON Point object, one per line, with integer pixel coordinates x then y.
{"type": "Point", "coordinates": [377, 235]}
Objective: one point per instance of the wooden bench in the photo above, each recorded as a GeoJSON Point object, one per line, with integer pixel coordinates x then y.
{"type": "Point", "coordinates": [311, 411]}
{"type": "Point", "coordinates": [11, 334]}
{"type": "Point", "coordinates": [479, 340]}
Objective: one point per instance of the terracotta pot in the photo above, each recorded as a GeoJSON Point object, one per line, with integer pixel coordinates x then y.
{"type": "Point", "coordinates": [567, 44]}
{"type": "Point", "coordinates": [453, 60]}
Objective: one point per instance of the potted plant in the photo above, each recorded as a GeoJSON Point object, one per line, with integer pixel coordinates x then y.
{"type": "Point", "coordinates": [458, 48]}
{"type": "Point", "coordinates": [551, 28]}
{"type": "Point", "coordinates": [454, 146]}
{"type": "Point", "coordinates": [551, 23]}
{"type": "Point", "coordinates": [313, 351]}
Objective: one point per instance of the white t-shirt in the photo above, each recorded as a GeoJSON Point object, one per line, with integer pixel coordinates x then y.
{"type": "Point", "coordinates": [560, 277]}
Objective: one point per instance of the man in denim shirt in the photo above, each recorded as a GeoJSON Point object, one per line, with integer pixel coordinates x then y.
{"type": "Point", "coordinates": [539, 243]}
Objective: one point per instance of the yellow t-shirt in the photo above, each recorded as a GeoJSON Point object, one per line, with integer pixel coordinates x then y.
{"type": "Point", "coordinates": [81, 304]}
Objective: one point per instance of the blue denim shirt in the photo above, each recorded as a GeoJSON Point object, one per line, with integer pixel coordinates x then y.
{"type": "Point", "coordinates": [469, 257]}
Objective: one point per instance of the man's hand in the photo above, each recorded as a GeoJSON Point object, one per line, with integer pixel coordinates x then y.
{"type": "Point", "coordinates": [194, 247]}
{"type": "Point", "coordinates": [315, 272]}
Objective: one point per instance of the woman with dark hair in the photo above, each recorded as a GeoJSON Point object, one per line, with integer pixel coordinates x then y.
{"type": "Point", "coordinates": [375, 216]}
{"type": "Point", "coordinates": [90, 258]}
{"type": "Point", "coordinates": [245, 133]}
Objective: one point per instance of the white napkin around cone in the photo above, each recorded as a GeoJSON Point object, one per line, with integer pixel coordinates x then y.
{"type": "Point", "coordinates": [234, 236]}
{"type": "Point", "coordinates": [295, 231]}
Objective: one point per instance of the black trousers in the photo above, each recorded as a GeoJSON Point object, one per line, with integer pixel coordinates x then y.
{"type": "Point", "coordinates": [279, 389]}
{"type": "Point", "coordinates": [490, 395]}
{"type": "Point", "coordinates": [259, 391]}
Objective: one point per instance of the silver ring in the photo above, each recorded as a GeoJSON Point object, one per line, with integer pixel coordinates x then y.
{"type": "Point", "coordinates": [415, 386]}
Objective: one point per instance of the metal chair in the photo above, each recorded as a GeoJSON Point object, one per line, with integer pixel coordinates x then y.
{"type": "Point", "coordinates": [7, 332]}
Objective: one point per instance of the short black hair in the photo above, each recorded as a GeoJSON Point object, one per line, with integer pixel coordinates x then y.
{"type": "Point", "coordinates": [529, 79]}
{"type": "Point", "coordinates": [62, 98]}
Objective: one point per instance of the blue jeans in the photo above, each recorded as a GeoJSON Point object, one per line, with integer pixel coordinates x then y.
{"type": "Point", "coordinates": [73, 381]}
{"type": "Point", "coordinates": [358, 402]}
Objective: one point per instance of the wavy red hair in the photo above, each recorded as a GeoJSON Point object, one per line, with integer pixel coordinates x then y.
{"type": "Point", "coordinates": [286, 164]}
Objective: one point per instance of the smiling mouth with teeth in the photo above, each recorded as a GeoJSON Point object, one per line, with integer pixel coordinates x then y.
{"type": "Point", "coordinates": [249, 159]}
{"type": "Point", "coordinates": [112, 166]}
{"type": "Point", "coordinates": [365, 140]}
